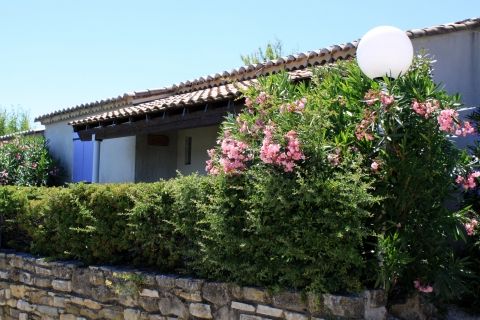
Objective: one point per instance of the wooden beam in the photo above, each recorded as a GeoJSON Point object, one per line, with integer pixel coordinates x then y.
{"type": "Point", "coordinates": [159, 125]}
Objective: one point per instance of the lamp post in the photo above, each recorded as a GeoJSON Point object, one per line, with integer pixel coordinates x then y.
{"type": "Point", "coordinates": [384, 51]}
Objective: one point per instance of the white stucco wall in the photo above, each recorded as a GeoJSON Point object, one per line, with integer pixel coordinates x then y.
{"type": "Point", "coordinates": [60, 143]}
{"type": "Point", "coordinates": [117, 156]}
{"type": "Point", "coordinates": [457, 68]}
{"type": "Point", "coordinates": [458, 62]}
{"type": "Point", "coordinates": [202, 139]}
{"type": "Point", "coordinates": [117, 160]}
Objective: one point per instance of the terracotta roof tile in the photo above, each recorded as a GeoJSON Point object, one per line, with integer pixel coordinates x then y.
{"type": "Point", "coordinates": [242, 74]}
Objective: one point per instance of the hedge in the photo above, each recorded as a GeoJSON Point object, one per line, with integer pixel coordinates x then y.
{"type": "Point", "coordinates": [333, 184]}
{"type": "Point", "coordinates": [196, 225]}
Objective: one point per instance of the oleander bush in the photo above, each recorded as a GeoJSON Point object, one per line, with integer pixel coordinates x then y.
{"type": "Point", "coordinates": [25, 161]}
{"type": "Point", "coordinates": [330, 184]}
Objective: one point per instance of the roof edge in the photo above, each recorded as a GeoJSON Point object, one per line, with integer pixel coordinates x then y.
{"type": "Point", "coordinates": [288, 63]}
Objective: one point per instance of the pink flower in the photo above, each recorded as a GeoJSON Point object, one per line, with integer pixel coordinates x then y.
{"type": "Point", "coordinates": [271, 153]}
{"type": "Point", "coordinates": [371, 97]}
{"type": "Point", "coordinates": [363, 129]}
{"type": "Point", "coordinates": [386, 99]}
{"type": "Point", "coordinates": [262, 97]}
{"type": "Point", "coordinates": [422, 288]}
{"type": "Point", "coordinates": [248, 102]}
{"type": "Point", "coordinates": [296, 106]}
{"type": "Point", "coordinates": [375, 166]}
{"type": "Point", "coordinates": [465, 130]}
{"type": "Point", "coordinates": [425, 109]}
{"type": "Point", "coordinates": [446, 120]}
{"type": "Point", "coordinates": [243, 125]}
{"type": "Point", "coordinates": [334, 158]}
{"type": "Point", "coordinates": [233, 158]}
{"type": "Point", "coordinates": [470, 182]}
{"type": "Point", "coordinates": [470, 226]}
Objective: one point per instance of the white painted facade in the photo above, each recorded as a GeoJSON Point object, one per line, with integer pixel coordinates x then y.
{"type": "Point", "coordinates": [117, 160]}
{"type": "Point", "coordinates": [59, 136]}
{"type": "Point", "coordinates": [457, 69]}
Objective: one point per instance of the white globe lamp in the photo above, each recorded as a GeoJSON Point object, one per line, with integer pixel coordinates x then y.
{"type": "Point", "coordinates": [384, 51]}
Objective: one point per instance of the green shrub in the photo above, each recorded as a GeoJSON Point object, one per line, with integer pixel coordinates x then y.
{"type": "Point", "coordinates": [25, 161]}
{"type": "Point", "coordinates": [332, 184]}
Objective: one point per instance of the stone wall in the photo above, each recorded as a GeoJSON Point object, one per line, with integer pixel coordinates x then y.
{"type": "Point", "coordinates": [32, 288]}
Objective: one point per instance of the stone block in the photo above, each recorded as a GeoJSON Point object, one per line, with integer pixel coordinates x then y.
{"type": "Point", "coordinates": [216, 293]}
{"type": "Point", "coordinates": [92, 304]}
{"type": "Point", "coordinates": [200, 310]}
{"type": "Point", "coordinates": [376, 313]}
{"type": "Point", "coordinates": [131, 314]}
{"type": "Point", "coordinates": [43, 271]}
{"type": "Point", "coordinates": [16, 261]}
{"type": "Point", "coordinates": [171, 305]}
{"type": "Point", "coordinates": [62, 285]}
{"type": "Point", "coordinates": [111, 313]}
{"type": "Point", "coordinates": [40, 297]}
{"type": "Point", "coordinates": [224, 313]}
{"type": "Point", "coordinates": [12, 303]}
{"type": "Point", "coordinates": [290, 301]}
{"type": "Point", "coordinates": [294, 316]}
{"type": "Point", "coordinates": [148, 279]}
{"type": "Point", "coordinates": [375, 298]}
{"type": "Point", "coordinates": [89, 313]}
{"type": "Point", "coordinates": [26, 278]}
{"type": "Point", "coordinates": [67, 316]}
{"type": "Point", "coordinates": [344, 306]}
{"type": "Point", "coordinates": [269, 311]}
{"type": "Point", "coordinates": [243, 306]}
{"type": "Point", "coordinates": [81, 282]}
{"type": "Point", "coordinates": [60, 302]}
{"type": "Point", "coordinates": [148, 304]}
{"type": "Point", "coordinates": [189, 296]}
{"type": "Point", "coordinates": [254, 294]}
{"type": "Point", "coordinates": [42, 282]}
{"type": "Point", "coordinates": [165, 282]}
{"type": "Point", "coordinates": [189, 285]}
{"type": "Point", "coordinates": [149, 293]}
{"type": "Point", "coordinates": [5, 275]}
{"type": "Point", "coordinates": [128, 300]}
{"type": "Point", "coordinates": [250, 317]}
{"type": "Point", "coordinates": [24, 306]}
{"type": "Point", "coordinates": [23, 316]}
{"type": "Point", "coordinates": [62, 272]}
{"type": "Point", "coordinates": [103, 294]}
{"type": "Point", "coordinates": [18, 291]}
{"type": "Point", "coordinates": [48, 311]}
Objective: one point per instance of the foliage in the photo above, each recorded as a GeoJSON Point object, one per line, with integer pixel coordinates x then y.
{"type": "Point", "coordinates": [12, 121]}
{"type": "Point", "coordinates": [331, 184]}
{"type": "Point", "coordinates": [395, 132]}
{"type": "Point", "coordinates": [25, 161]}
{"type": "Point", "coordinates": [272, 51]}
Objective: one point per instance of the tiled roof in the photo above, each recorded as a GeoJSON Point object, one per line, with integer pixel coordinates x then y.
{"type": "Point", "coordinates": [288, 63]}
{"type": "Point", "coordinates": [222, 92]}
{"type": "Point", "coordinates": [21, 133]}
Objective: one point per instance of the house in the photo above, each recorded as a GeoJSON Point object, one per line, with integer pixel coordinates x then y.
{"type": "Point", "coordinates": [148, 135]}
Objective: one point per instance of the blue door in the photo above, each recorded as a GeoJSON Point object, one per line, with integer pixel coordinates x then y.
{"type": "Point", "coordinates": [82, 159]}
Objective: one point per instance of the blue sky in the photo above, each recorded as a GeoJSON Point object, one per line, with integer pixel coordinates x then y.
{"type": "Point", "coordinates": [58, 54]}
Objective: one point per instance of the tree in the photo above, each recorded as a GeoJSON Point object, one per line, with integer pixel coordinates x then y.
{"type": "Point", "coordinates": [13, 120]}
{"type": "Point", "coordinates": [272, 51]}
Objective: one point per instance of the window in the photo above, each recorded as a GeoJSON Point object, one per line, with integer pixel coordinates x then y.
{"type": "Point", "coordinates": [188, 150]}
